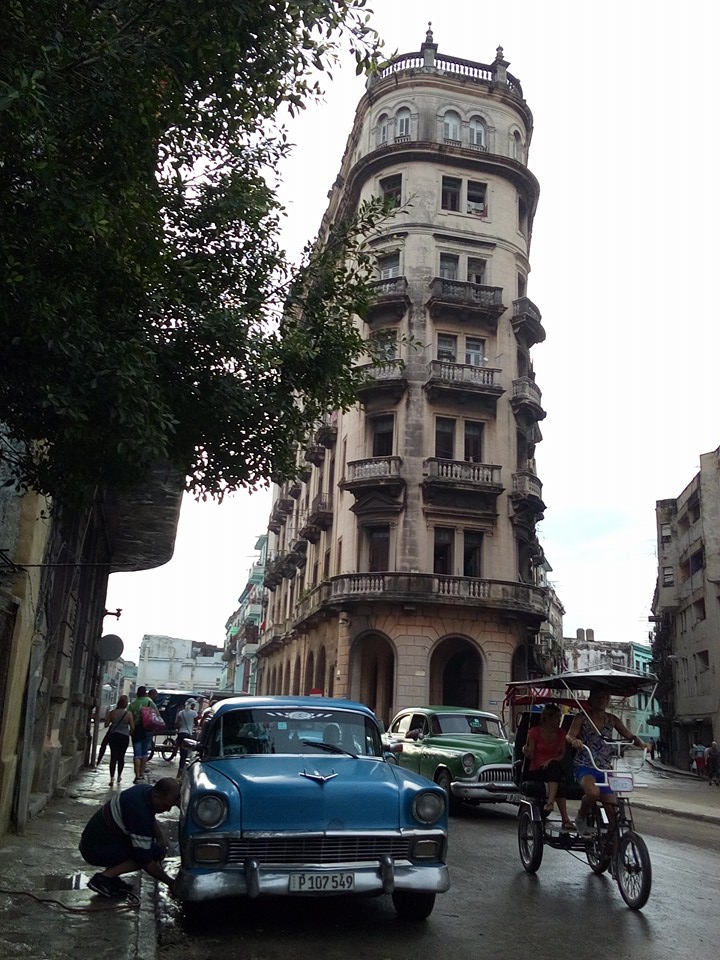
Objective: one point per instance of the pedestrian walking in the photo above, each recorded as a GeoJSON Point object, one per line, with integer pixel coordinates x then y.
{"type": "Point", "coordinates": [185, 723]}
{"type": "Point", "coordinates": [124, 836]}
{"type": "Point", "coordinates": [712, 763]}
{"type": "Point", "coordinates": [120, 724]}
{"type": "Point", "coordinates": [142, 739]}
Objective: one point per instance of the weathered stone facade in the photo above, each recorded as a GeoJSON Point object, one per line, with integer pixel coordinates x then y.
{"type": "Point", "coordinates": [405, 566]}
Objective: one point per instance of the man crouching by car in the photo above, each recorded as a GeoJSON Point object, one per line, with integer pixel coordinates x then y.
{"type": "Point", "coordinates": [125, 836]}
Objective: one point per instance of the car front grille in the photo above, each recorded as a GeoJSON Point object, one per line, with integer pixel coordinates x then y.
{"type": "Point", "coordinates": [502, 774]}
{"type": "Point", "coordinates": [300, 850]}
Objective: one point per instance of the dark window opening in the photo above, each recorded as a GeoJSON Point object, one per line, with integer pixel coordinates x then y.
{"type": "Point", "coordinates": [477, 198]}
{"type": "Point", "coordinates": [472, 553]}
{"type": "Point", "coordinates": [444, 438]}
{"type": "Point", "coordinates": [443, 551]}
{"type": "Point", "coordinates": [383, 436]}
{"type": "Point", "coordinates": [473, 441]}
{"type": "Point", "coordinates": [391, 190]}
{"type": "Point", "coordinates": [378, 549]}
{"type": "Point", "coordinates": [451, 193]}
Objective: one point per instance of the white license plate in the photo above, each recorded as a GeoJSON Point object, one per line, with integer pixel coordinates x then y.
{"type": "Point", "coordinates": [321, 882]}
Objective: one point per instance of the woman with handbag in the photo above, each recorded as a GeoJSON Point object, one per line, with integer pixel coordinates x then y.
{"type": "Point", "coordinates": [121, 725]}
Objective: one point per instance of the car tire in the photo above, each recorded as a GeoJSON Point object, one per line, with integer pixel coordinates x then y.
{"type": "Point", "coordinates": [443, 780]}
{"type": "Point", "coordinates": [413, 906]}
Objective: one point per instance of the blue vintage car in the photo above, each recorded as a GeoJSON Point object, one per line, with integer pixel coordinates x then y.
{"type": "Point", "coordinates": [294, 796]}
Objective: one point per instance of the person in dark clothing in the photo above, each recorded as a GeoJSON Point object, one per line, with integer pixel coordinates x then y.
{"type": "Point", "coordinates": [124, 836]}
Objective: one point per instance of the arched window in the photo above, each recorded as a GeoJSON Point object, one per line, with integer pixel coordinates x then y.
{"type": "Point", "coordinates": [383, 125]}
{"type": "Point", "coordinates": [518, 146]}
{"type": "Point", "coordinates": [451, 125]}
{"type": "Point", "coordinates": [478, 134]}
{"type": "Point", "coordinates": [402, 123]}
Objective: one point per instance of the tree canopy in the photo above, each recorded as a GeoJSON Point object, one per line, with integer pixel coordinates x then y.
{"type": "Point", "coordinates": [147, 310]}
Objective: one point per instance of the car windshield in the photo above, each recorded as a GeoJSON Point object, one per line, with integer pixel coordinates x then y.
{"type": "Point", "coordinates": [288, 730]}
{"type": "Point", "coordinates": [469, 723]}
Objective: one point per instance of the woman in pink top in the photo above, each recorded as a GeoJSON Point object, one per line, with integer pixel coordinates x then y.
{"type": "Point", "coordinates": [545, 749]}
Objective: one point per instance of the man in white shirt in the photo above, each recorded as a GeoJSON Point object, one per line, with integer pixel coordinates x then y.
{"type": "Point", "coordinates": [185, 723]}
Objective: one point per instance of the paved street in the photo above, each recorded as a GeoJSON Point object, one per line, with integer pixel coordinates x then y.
{"type": "Point", "coordinates": [493, 907]}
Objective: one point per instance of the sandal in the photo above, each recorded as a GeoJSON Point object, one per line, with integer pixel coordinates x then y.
{"type": "Point", "coordinates": [567, 825]}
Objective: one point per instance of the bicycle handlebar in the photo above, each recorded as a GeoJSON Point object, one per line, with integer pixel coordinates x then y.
{"type": "Point", "coordinates": [615, 744]}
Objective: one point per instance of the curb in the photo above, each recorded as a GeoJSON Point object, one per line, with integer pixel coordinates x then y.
{"type": "Point", "coordinates": [672, 812]}
{"type": "Point", "coordinates": [143, 944]}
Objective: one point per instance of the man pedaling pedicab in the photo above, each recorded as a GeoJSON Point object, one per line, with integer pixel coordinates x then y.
{"type": "Point", "coordinates": [592, 729]}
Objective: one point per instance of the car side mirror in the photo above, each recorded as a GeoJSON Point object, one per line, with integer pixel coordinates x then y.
{"type": "Point", "coordinates": [395, 747]}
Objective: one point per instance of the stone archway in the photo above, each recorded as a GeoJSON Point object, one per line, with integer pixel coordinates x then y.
{"type": "Point", "coordinates": [320, 682]}
{"type": "Point", "coordinates": [309, 672]}
{"type": "Point", "coordinates": [373, 673]}
{"type": "Point", "coordinates": [519, 663]}
{"type": "Point", "coordinates": [456, 674]}
{"type": "Point", "coordinates": [296, 677]}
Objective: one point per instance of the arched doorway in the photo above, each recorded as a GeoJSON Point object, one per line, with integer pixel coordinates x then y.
{"type": "Point", "coordinates": [456, 674]}
{"type": "Point", "coordinates": [309, 672]}
{"type": "Point", "coordinates": [320, 670]}
{"type": "Point", "coordinates": [373, 672]}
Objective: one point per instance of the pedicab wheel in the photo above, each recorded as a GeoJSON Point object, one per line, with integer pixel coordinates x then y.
{"type": "Point", "coordinates": [413, 905]}
{"type": "Point", "coordinates": [167, 750]}
{"type": "Point", "coordinates": [597, 856]}
{"type": "Point", "coordinates": [634, 871]}
{"type": "Point", "coordinates": [530, 841]}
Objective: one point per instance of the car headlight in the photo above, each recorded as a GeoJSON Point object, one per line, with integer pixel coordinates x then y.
{"type": "Point", "coordinates": [428, 807]}
{"type": "Point", "coordinates": [468, 762]}
{"type": "Point", "coordinates": [210, 810]}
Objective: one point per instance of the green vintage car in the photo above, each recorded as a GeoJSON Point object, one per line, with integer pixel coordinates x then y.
{"type": "Point", "coordinates": [464, 751]}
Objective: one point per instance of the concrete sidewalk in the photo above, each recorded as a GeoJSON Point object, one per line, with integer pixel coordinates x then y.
{"type": "Point", "coordinates": [47, 912]}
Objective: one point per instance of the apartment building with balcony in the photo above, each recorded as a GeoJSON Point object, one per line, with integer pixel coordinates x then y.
{"type": "Point", "coordinates": [404, 564]}
{"type": "Point", "coordinates": [242, 630]}
{"type": "Point", "coordinates": [686, 611]}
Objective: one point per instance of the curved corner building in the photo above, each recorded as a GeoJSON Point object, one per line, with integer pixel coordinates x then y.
{"type": "Point", "coordinates": [405, 567]}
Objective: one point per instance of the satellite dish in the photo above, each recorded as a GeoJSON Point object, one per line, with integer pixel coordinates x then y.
{"type": "Point", "coordinates": [109, 647]}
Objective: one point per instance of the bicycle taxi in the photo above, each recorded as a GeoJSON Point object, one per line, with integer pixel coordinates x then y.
{"type": "Point", "coordinates": [611, 843]}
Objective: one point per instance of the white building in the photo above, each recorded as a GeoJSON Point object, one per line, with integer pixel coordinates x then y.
{"type": "Point", "coordinates": [169, 663]}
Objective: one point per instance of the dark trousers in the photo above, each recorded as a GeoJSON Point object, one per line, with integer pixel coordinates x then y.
{"type": "Point", "coordinates": [118, 743]}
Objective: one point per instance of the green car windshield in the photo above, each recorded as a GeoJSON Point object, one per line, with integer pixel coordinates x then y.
{"type": "Point", "coordinates": [467, 723]}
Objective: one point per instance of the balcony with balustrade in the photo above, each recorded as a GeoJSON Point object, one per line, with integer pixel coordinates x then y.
{"type": "Point", "coordinates": [445, 480]}
{"type": "Point", "coordinates": [526, 401]}
{"type": "Point", "coordinates": [397, 588]}
{"type": "Point", "coordinates": [318, 518]}
{"type": "Point", "coordinates": [463, 382]}
{"type": "Point", "coordinates": [383, 383]}
{"type": "Point", "coordinates": [526, 496]}
{"type": "Point", "coordinates": [389, 301]}
{"type": "Point", "coordinates": [465, 301]}
{"type": "Point", "coordinates": [382, 474]}
{"type": "Point", "coordinates": [527, 322]}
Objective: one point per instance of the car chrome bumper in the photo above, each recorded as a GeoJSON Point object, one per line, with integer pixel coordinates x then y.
{"type": "Point", "coordinates": [251, 879]}
{"type": "Point", "coordinates": [491, 789]}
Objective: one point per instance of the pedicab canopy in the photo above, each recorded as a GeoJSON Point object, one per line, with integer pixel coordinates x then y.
{"type": "Point", "coordinates": [572, 688]}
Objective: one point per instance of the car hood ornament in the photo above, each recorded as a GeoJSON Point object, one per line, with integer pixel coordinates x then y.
{"type": "Point", "coordinates": [318, 777]}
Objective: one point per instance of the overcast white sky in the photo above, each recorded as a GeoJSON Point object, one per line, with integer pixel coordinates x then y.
{"type": "Point", "coordinates": [625, 96]}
